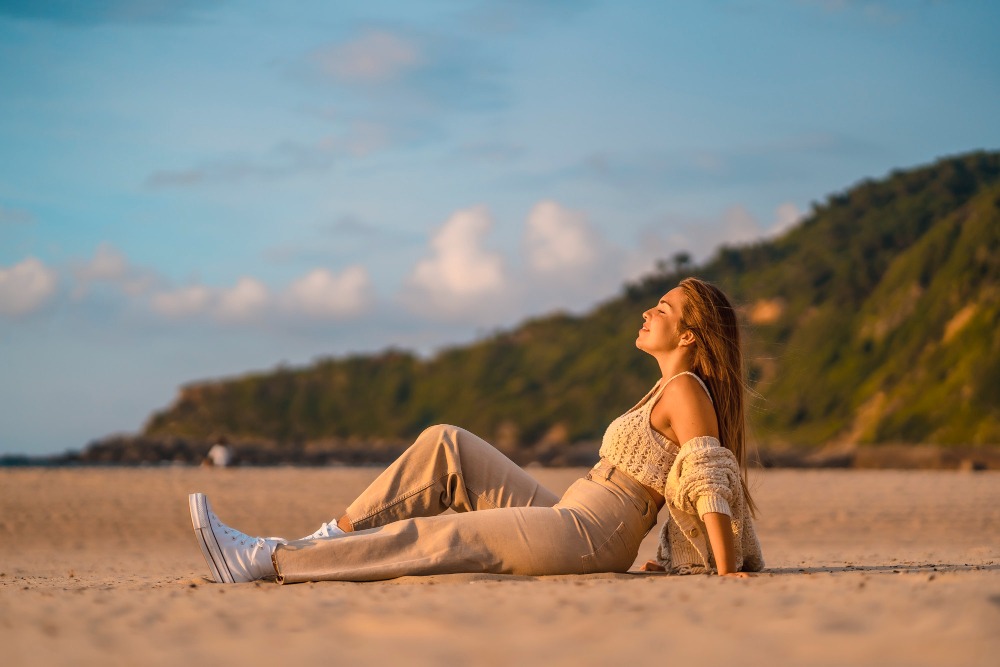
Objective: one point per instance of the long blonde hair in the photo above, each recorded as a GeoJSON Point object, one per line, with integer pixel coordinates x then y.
{"type": "Point", "coordinates": [718, 360]}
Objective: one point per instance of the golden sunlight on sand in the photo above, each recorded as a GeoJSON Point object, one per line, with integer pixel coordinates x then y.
{"type": "Point", "coordinates": [99, 567]}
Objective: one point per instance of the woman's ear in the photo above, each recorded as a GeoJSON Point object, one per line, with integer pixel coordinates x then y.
{"type": "Point", "coordinates": [687, 338]}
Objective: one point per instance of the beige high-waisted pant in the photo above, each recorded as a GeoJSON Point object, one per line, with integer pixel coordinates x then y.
{"type": "Point", "coordinates": [506, 522]}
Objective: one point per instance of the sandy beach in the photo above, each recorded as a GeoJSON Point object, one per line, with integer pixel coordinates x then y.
{"type": "Point", "coordinates": [879, 567]}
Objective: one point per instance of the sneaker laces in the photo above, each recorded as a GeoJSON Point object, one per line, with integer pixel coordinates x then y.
{"type": "Point", "coordinates": [327, 530]}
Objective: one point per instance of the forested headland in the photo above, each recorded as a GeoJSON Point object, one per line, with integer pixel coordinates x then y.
{"type": "Point", "coordinates": [872, 322]}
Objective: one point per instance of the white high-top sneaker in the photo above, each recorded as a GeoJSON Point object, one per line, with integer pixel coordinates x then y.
{"type": "Point", "coordinates": [327, 530]}
{"type": "Point", "coordinates": [232, 556]}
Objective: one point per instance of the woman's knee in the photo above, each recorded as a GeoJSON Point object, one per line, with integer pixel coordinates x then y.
{"type": "Point", "coordinates": [438, 432]}
{"type": "Point", "coordinates": [438, 437]}
{"type": "Point", "coordinates": [452, 438]}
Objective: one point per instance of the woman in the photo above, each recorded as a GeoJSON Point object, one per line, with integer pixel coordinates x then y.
{"type": "Point", "coordinates": [396, 528]}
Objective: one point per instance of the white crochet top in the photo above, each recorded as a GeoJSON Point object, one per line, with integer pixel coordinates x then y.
{"type": "Point", "coordinates": [633, 446]}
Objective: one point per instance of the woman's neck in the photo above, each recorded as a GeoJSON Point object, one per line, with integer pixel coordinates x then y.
{"type": "Point", "coordinates": [673, 364]}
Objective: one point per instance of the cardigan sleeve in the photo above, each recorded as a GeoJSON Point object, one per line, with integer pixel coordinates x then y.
{"type": "Point", "coordinates": [704, 478]}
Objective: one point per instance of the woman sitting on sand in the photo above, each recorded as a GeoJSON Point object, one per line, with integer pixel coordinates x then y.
{"type": "Point", "coordinates": [396, 527]}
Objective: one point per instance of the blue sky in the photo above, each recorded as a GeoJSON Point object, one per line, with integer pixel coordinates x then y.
{"type": "Point", "coordinates": [191, 189]}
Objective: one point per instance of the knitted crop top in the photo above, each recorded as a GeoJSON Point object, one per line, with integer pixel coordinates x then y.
{"type": "Point", "coordinates": [632, 445]}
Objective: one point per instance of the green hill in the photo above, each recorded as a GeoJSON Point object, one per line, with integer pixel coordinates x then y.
{"type": "Point", "coordinates": [872, 321]}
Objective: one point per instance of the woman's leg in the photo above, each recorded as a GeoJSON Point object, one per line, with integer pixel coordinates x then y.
{"type": "Point", "coordinates": [594, 528]}
{"type": "Point", "coordinates": [446, 467]}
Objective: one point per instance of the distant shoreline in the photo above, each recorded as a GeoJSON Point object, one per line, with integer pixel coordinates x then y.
{"type": "Point", "coordinates": [138, 454]}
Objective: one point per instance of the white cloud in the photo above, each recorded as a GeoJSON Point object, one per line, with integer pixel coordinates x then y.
{"type": "Point", "coordinates": [698, 237]}
{"type": "Point", "coordinates": [245, 301]}
{"type": "Point", "coordinates": [376, 56]}
{"type": "Point", "coordinates": [702, 236]}
{"type": "Point", "coordinates": [565, 264]}
{"type": "Point", "coordinates": [785, 217]}
{"type": "Point", "coordinates": [460, 268]}
{"type": "Point", "coordinates": [559, 240]}
{"type": "Point", "coordinates": [25, 287]}
{"type": "Point", "coordinates": [568, 265]}
{"type": "Point", "coordinates": [183, 302]}
{"type": "Point", "coordinates": [319, 294]}
{"type": "Point", "coordinates": [242, 302]}
{"type": "Point", "coordinates": [736, 226]}
{"type": "Point", "coordinates": [323, 294]}
{"type": "Point", "coordinates": [107, 264]}
{"type": "Point", "coordinates": [111, 267]}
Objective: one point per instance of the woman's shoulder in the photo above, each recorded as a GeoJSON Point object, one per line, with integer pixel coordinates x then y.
{"type": "Point", "coordinates": [687, 387]}
{"type": "Point", "coordinates": [685, 404]}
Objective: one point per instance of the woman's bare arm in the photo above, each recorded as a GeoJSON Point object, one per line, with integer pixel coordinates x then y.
{"type": "Point", "coordinates": [689, 413]}
{"type": "Point", "coordinates": [720, 533]}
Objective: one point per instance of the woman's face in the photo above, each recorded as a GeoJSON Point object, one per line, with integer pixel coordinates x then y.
{"type": "Point", "coordinates": [661, 324]}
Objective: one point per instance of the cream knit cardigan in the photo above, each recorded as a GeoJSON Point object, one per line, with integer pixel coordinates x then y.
{"type": "Point", "coordinates": [705, 477]}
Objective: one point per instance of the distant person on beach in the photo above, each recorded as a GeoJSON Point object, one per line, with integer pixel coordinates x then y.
{"type": "Point", "coordinates": [507, 523]}
{"type": "Point", "coordinates": [219, 456]}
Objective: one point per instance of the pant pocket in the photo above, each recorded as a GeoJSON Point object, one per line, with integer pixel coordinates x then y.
{"type": "Point", "coordinates": [609, 555]}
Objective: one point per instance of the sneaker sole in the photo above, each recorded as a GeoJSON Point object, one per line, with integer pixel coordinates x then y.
{"type": "Point", "coordinates": [209, 543]}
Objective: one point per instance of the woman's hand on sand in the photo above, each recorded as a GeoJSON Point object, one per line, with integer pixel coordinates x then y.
{"type": "Point", "coordinates": [652, 566]}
